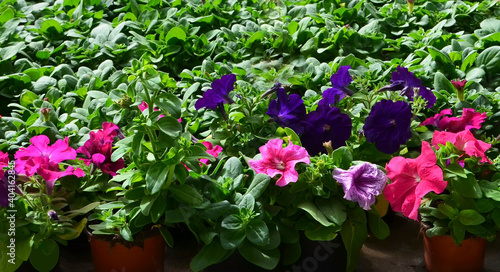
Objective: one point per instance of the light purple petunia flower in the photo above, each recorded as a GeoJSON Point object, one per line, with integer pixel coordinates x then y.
{"type": "Point", "coordinates": [361, 183]}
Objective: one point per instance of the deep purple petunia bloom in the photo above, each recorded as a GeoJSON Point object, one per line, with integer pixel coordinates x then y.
{"type": "Point", "coordinates": [288, 111]}
{"type": "Point", "coordinates": [323, 125]}
{"type": "Point", "coordinates": [388, 125]}
{"type": "Point", "coordinates": [219, 94]}
{"type": "Point", "coordinates": [339, 90]}
{"type": "Point", "coordinates": [409, 85]}
{"type": "Point", "coordinates": [361, 183]}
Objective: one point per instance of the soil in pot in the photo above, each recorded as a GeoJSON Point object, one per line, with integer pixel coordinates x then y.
{"type": "Point", "coordinates": [112, 253]}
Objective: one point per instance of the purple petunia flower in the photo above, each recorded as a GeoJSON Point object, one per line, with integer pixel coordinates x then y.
{"type": "Point", "coordinates": [409, 85]}
{"type": "Point", "coordinates": [388, 125]}
{"type": "Point", "coordinates": [288, 111]}
{"type": "Point", "coordinates": [323, 125]}
{"type": "Point", "coordinates": [339, 89]}
{"type": "Point", "coordinates": [361, 183]}
{"type": "Point", "coordinates": [219, 94]}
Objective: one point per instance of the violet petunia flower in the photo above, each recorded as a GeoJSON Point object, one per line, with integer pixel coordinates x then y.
{"type": "Point", "coordinates": [388, 125]}
{"type": "Point", "coordinates": [339, 90]}
{"type": "Point", "coordinates": [361, 183]}
{"type": "Point", "coordinates": [323, 125]}
{"type": "Point", "coordinates": [288, 111]}
{"type": "Point", "coordinates": [99, 147]}
{"type": "Point", "coordinates": [44, 160]}
{"type": "Point", "coordinates": [277, 160]}
{"type": "Point", "coordinates": [409, 85]}
{"type": "Point", "coordinates": [219, 94]}
{"type": "Point", "coordinates": [53, 215]}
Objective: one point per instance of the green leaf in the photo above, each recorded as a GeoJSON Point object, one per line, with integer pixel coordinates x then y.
{"type": "Point", "coordinates": [316, 213]}
{"type": "Point", "coordinates": [175, 32]}
{"type": "Point", "coordinates": [232, 222]}
{"type": "Point", "coordinates": [458, 232]}
{"type": "Point", "coordinates": [442, 83]}
{"type": "Point", "coordinates": [27, 98]}
{"type": "Point", "coordinates": [293, 136]}
{"type": "Point", "coordinates": [342, 157]}
{"type": "Point", "coordinates": [257, 232]}
{"type": "Point", "coordinates": [126, 233]}
{"type": "Point", "coordinates": [378, 226]}
{"type": "Point", "coordinates": [232, 168]}
{"type": "Point", "coordinates": [169, 239]}
{"type": "Point", "coordinates": [51, 27]}
{"type": "Point", "coordinates": [208, 255]}
{"type": "Point", "coordinates": [45, 256]}
{"type": "Point", "coordinates": [490, 59]}
{"type": "Point", "coordinates": [255, 37]}
{"type": "Point", "coordinates": [490, 189]}
{"type": "Point", "coordinates": [467, 187]}
{"type": "Point", "coordinates": [353, 235]}
{"type": "Point", "coordinates": [470, 217]}
{"type": "Point", "coordinates": [333, 209]}
{"type": "Point", "coordinates": [267, 259]}
{"type": "Point", "coordinates": [448, 210]}
{"type": "Point", "coordinates": [322, 233]}
{"type": "Point", "coordinates": [170, 126]}
{"type": "Point", "coordinates": [438, 56]}
{"type": "Point", "coordinates": [258, 185]}
{"type": "Point", "coordinates": [169, 103]}
{"type": "Point", "coordinates": [187, 194]}
{"type": "Point", "coordinates": [156, 177]}
{"type": "Point", "coordinates": [232, 238]}
{"type": "Point", "coordinates": [247, 202]}
{"type": "Point", "coordinates": [215, 210]}
{"type": "Point", "coordinates": [158, 209]}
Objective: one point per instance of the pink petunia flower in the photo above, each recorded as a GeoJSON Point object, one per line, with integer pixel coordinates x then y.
{"type": "Point", "coordinates": [277, 160]}
{"type": "Point", "coordinates": [464, 141]}
{"type": "Point", "coordinates": [212, 150]}
{"type": "Point", "coordinates": [44, 160]}
{"type": "Point", "coordinates": [412, 179]}
{"type": "Point", "coordinates": [459, 84]}
{"type": "Point", "coordinates": [434, 120]}
{"type": "Point", "coordinates": [99, 147]}
{"type": "Point", "coordinates": [143, 106]}
{"type": "Point", "coordinates": [4, 198]}
{"type": "Point", "coordinates": [469, 120]}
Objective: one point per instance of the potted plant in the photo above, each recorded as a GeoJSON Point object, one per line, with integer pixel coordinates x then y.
{"type": "Point", "coordinates": [158, 151]}
{"type": "Point", "coordinates": [37, 218]}
{"type": "Point", "coordinates": [452, 189]}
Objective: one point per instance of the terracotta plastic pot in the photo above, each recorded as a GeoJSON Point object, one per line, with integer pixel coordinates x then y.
{"type": "Point", "coordinates": [109, 255]}
{"type": "Point", "coordinates": [442, 255]}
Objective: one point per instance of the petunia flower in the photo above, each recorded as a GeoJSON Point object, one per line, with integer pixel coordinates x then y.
{"type": "Point", "coordinates": [470, 119]}
{"type": "Point", "coordinates": [411, 180]}
{"type": "Point", "coordinates": [434, 120]}
{"type": "Point", "coordinates": [143, 106]}
{"type": "Point", "coordinates": [409, 85]}
{"type": "Point", "coordinates": [323, 125]}
{"type": "Point", "coordinates": [4, 162]}
{"type": "Point", "coordinates": [459, 84]}
{"type": "Point", "coordinates": [219, 94]}
{"type": "Point", "coordinates": [287, 111]}
{"type": "Point", "coordinates": [388, 125]}
{"type": "Point", "coordinates": [339, 90]}
{"type": "Point", "coordinates": [361, 183]}
{"type": "Point", "coordinates": [464, 141]}
{"type": "Point", "coordinates": [44, 160]}
{"type": "Point", "coordinates": [98, 149]}
{"type": "Point", "coordinates": [277, 160]}
{"type": "Point", "coordinates": [212, 150]}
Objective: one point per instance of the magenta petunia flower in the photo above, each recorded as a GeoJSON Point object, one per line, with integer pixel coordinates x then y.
{"type": "Point", "coordinates": [464, 141]}
{"type": "Point", "coordinates": [434, 120]}
{"type": "Point", "coordinates": [99, 147]}
{"type": "Point", "coordinates": [277, 160]}
{"type": "Point", "coordinates": [4, 162]}
{"type": "Point", "coordinates": [44, 160]}
{"type": "Point", "coordinates": [361, 183]}
{"type": "Point", "coordinates": [143, 106]}
{"type": "Point", "coordinates": [470, 119]}
{"type": "Point", "coordinates": [412, 179]}
{"type": "Point", "coordinates": [212, 150]}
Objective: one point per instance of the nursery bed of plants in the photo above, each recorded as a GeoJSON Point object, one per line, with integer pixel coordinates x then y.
{"type": "Point", "coordinates": [252, 125]}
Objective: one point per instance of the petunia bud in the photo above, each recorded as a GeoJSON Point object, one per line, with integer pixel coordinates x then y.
{"type": "Point", "coordinates": [53, 215]}
{"type": "Point", "coordinates": [328, 146]}
{"type": "Point", "coordinates": [459, 86]}
{"type": "Point", "coordinates": [46, 113]}
{"type": "Point", "coordinates": [410, 5]}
